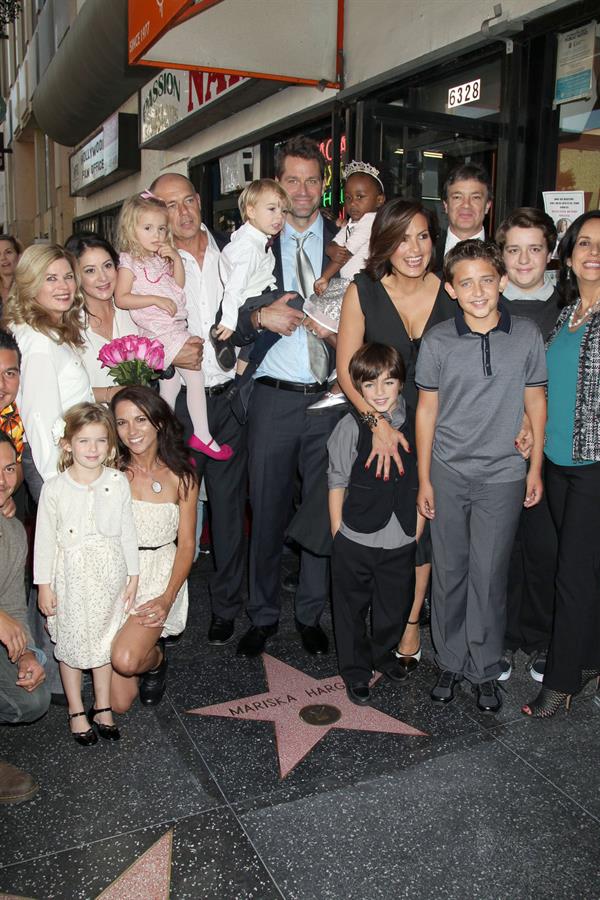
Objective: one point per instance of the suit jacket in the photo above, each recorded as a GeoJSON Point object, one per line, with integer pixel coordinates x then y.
{"type": "Point", "coordinates": [245, 332]}
{"type": "Point", "coordinates": [439, 252]}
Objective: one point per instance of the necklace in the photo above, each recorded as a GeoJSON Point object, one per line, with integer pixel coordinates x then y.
{"type": "Point", "coordinates": [155, 485]}
{"type": "Point", "coordinates": [575, 322]}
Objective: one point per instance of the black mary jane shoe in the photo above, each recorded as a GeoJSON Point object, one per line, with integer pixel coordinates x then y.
{"type": "Point", "coordinates": [108, 732]}
{"type": "Point", "coordinates": [154, 682]}
{"type": "Point", "coordinates": [85, 738]}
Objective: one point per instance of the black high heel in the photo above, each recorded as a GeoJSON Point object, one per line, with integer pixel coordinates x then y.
{"type": "Point", "coordinates": [108, 732]}
{"type": "Point", "coordinates": [589, 675]}
{"type": "Point", "coordinates": [85, 738]}
{"type": "Point", "coordinates": [410, 661]}
{"type": "Point", "coordinates": [547, 703]}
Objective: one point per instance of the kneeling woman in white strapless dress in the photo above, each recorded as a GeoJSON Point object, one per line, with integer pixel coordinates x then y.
{"type": "Point", "coordinates": [164, 488]}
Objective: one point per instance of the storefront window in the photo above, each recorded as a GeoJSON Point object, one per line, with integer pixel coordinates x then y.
{"type": "Point", "coordinates": [578, 162]}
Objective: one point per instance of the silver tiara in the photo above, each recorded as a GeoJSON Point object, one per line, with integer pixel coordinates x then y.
{"type": "Point", "coordinates": [362, 168]}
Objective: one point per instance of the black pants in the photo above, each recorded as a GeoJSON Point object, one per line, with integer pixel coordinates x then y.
{"type": "Point", "coordinates": [530, 596]}
{"type": "Point", "coordinates": [283, 440]}
{"type": "Point", "coordinates": [226, 487]}
{"type": "Point", "coordinates": [369, 578]}
{"type": "Point", "coordinates": [574, 499]}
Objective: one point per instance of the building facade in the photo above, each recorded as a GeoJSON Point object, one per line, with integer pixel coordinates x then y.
{"type": "Point", "coordinates": [515, 86]}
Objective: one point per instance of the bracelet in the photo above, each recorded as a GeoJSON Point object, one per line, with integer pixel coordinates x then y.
{"type": "Point", "coordinates": [370, 419]}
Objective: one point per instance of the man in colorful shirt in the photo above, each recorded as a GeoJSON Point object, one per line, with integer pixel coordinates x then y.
{"type": "Point", "coordinates": [10, 420]}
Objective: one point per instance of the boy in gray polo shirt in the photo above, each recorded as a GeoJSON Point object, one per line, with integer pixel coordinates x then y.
{"type": "Point", "coordinates": [476, 374]}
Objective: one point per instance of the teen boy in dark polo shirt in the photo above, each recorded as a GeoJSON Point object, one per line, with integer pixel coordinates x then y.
{"type": "Point", "coordinates": [476, 374]}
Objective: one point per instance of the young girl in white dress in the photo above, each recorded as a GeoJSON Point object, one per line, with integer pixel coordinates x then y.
{"type": "Point", "coordinates": [86, 561]}
{"type": "Point", "coordinates": [150, 284]}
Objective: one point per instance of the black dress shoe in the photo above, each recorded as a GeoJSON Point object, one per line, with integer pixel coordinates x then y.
{"type": "Point", "coordinates": [360, 694]}
{"type": "Point", "coordinates": [253, 642]}
{"type": "Point", "coordinates": [224, 350]}
{"type": "Point", "coordinates": [393, 669]}
{"type": "Point", "coordinates": [314, 640]}
{"type": "Point", "coordinates": [154, 682]}
{"type": "Point", "coordinates": [220, 631]}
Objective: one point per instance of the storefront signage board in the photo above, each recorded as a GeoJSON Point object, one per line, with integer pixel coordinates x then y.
{"type": "Point", "coordinates": [110, 154]}
{"type": "Point", "coordinates": [175, 95]}
{"type": "Point", "coordinates": [574, 64]}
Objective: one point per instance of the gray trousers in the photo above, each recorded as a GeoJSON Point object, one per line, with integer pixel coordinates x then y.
{"type": "Point", "coordinates": [472, 537]}
{"type": "Point", "coordinates": [17, 706]}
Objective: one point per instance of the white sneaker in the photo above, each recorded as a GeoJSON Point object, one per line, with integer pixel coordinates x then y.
{"type": "Point", "coordinates": [329, 401]}
{"type": "Point", "coordinates": [507, 662]}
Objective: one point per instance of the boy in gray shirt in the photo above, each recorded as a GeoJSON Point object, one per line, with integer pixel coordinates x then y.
{"type": "Point", "coordinates": [476, 374]}
{"type": "Point", "coordinates": [374, 524]}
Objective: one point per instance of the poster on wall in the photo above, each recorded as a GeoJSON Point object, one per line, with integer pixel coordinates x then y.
{"type": "Point", "coordinates": [563, 207]}
{"type": "Point", "coordinates": [575, 64]}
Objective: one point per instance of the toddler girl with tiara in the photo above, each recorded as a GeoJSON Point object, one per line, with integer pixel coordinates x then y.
{"type": "Point", "coordinates": [86, 561]}
{"type": "Point", "coordinates": [363, 195]}
{"type": "Point", "coordinates": [150, 284]}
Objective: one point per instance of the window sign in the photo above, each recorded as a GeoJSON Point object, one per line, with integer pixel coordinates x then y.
{"type": "Point", "coordinates": [574, 64]}
{"type": "Point", "coordinates": [112, 153]}
{"type": "Point", "coordinates": [464, 93]}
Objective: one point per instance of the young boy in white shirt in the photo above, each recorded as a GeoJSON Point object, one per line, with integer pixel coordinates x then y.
{"type": "Point", "coordinates": [247, 263]}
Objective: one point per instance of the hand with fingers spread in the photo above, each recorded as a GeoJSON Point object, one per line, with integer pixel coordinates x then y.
{"type": "Point", "coordinates": [385, 449]}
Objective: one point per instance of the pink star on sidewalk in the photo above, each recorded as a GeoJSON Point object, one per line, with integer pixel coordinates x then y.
{"type": "Point", "coordinates": [290, 693]}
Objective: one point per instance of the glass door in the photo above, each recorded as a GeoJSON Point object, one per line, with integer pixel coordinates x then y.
{"type": "Point", "coordinates": [415, 151]}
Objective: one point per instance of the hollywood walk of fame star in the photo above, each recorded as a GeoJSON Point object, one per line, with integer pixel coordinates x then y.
{"type": "Point", "coordinates": [285, 704]}
{"type": "Point", "coordinates": [147, 878]}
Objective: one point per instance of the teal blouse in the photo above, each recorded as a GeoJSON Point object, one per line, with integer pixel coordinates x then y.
{"type": "Point", "coordinates": [563, 362]}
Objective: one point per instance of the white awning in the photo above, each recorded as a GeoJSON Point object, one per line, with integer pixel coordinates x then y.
{"type": "Point", "coordinates": [299, 41]}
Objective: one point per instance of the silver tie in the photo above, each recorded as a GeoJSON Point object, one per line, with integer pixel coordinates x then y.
{"type": "Point", "coordinates": [318, 357]}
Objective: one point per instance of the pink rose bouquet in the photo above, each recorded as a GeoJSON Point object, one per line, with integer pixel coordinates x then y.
{"type": "Point", "coordinates": [133, 360]}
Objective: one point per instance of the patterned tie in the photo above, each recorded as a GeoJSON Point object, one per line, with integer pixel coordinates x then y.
{"type": "Point", "coordinates": [318, 358]}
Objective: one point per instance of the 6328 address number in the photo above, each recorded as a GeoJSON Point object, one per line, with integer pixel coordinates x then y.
{"type": "Point", "coordinates": [464, 93]}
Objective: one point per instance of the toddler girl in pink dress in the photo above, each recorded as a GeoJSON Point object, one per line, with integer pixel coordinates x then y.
{"type": "Point", "coordinates": [150, 285]}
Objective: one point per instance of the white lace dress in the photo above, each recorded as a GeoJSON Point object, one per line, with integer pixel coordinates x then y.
{"type": "Point", "coordinates": [85, 546]}
{"type": "Point", "coordinates": [156, 525]}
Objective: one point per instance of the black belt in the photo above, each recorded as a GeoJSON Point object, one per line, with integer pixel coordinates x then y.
{"type": "Point", "coordinates": [160, 546]}
{"type": "Point", "coordinates": [218, 388]}
{"type": "Point", "coordinates": [297, 386]}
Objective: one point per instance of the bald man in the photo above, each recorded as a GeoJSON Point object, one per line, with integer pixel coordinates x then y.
{"type": "Point", "coordinates": [225, 480]}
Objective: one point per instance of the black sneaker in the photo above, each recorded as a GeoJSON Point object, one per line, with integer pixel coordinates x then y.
{"type": "Point", "coordinates": [507, 662]}
{"type": "Point", "coordinates": [443, 692]}
{"type": "Point", "coordinates": [488, 697]}
{"type": "Point", "coordinates": [536, 665]}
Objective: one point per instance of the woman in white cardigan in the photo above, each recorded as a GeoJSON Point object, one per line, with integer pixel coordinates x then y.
{"type": "Point", "coordinates": [44, 314]}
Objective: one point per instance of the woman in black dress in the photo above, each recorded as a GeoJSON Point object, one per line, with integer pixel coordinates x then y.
{"type": "Point", "coordinates": [394, 301]}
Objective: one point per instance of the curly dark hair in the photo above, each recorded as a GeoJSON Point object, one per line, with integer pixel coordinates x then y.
{"type": "Point", "coordinates": [389, 230]}
{"type": "Point", "coordinates": [473, 249]}
{"type": "Point", "coordinates": [567, 280]}
{"type": "Point", "coordinates": [171, 448]}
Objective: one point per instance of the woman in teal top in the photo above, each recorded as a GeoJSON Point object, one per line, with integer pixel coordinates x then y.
{"type": "Point", "coordinates": [573, 469]}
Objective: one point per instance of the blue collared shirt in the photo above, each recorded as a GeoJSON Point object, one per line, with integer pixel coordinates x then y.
{"type": "Point", "coordinates": [288, 358]}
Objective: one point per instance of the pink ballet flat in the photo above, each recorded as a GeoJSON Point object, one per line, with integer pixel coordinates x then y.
{"type": "Point", "coordinates": [200, 447]}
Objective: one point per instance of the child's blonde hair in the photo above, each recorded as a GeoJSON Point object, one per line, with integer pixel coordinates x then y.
{"type": "Point", "coordinates": [132, 207]}
{"type": "Point", "coordinates": [77, 418]}
{"type": "Point", "coordinates": [252, 192]}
